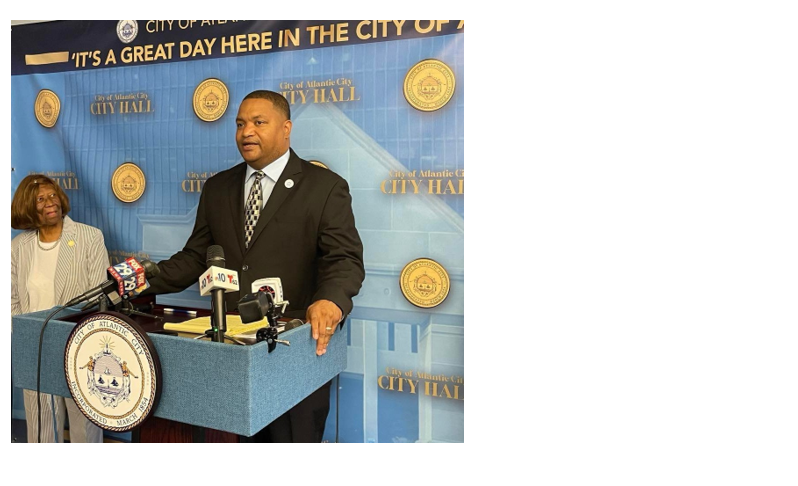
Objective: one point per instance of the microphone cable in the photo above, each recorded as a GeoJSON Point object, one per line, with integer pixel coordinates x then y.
{"type": "Point", "coordinates": [39, 375]}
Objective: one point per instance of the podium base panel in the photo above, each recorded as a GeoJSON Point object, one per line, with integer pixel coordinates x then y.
{"type": "Point", "coordinates": [157, 429]}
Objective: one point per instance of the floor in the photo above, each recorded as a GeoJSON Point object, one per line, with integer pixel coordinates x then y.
{"type": "Point", "coordinates": [19, 433]}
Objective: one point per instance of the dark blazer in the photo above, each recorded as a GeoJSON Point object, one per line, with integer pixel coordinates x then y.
{"type": "Point", "coordinates": [305, 235]}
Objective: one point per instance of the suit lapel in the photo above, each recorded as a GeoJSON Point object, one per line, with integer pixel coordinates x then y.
{"type": "Point", "coordinates": [26, 250]}
{"type": "Point", "coordinates": [236, 202]}
{"type": "Point", "coordinates": [293, 171]}
{"type": "Point", "coordinates": [66, 256]}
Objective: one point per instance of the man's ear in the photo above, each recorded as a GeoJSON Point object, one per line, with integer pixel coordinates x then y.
{"type": "Point", "coordinates": [287, 127]}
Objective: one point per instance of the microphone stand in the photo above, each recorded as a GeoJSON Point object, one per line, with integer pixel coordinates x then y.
{"type": "Point", "coordinates": [218, 317]}
{"type": "Point", "coordinates": [94, 303]}
{"type": "Point", "coordinates": [128, 310]}
{"type": "Point", "coordinates": [125, 308]}
{"type": "Point", "coordinates": [215, 257]}
{"type": "Point", "coordinates": [103, 302]}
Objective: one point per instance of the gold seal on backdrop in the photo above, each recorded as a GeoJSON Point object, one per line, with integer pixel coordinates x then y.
{"type": "Point", "coordinates": [424, 283]}
{"type": "Point", "coordinates": [316, 162]}
{"type": "Point", "coordinates": [429, 85]}
{"type": "Point", "coordinates": [128, 182]}
{"type": "Point", "coordinates": [210, 99]}
{"type": "Point", "coordinates": [47, 107]}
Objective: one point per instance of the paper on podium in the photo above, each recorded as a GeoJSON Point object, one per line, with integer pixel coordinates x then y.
{"type": "Point", "coordinates": [199, 325]}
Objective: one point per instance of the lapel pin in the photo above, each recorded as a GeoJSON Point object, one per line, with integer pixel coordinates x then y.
{"type": "Point", "coordinates": [289, 183]}
{"type": "Point", "coordinates": [71, 243]}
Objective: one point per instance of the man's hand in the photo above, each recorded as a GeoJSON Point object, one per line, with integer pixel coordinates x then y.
{"type": "Point", "coordinates": [323, 316]}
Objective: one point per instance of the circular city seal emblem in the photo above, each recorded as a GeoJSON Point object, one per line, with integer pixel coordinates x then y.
{"type": "Point", "coordinates": [424, 283]}
{"type": "Point", "coordinates": [429, 85]}
{"type": "Point", "coordinates": [47, 107]}
{"type": "Point", "coordinates": [113, 371]}
{"type": "Point", "coordinates": [316, 162]}
{"type": "Point", "coordinates": [210, 100]}
{"type": "Point", "coordinates": [128, 182]}
{"type": "Point", "coordinates": [127, 30]}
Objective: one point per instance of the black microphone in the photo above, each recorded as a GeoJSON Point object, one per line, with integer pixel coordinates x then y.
{"type": "Point", "coordinates": [215, 258]}
{"type": "Point", "coordinates": [257, 305]}
{"type": "Point", "coordinates": [254, 307]}
{"type": "Point", "coordinates": [125, 278]}
{"type": "Point", "coordinates": [292, 324]}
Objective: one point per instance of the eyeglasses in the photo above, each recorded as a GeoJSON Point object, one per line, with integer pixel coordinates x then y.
{"type": "Point", "coordinates": [41, 200]}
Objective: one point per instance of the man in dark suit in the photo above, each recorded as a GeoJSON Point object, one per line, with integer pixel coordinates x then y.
{"type": "Point", "coordinates": [277, 215]}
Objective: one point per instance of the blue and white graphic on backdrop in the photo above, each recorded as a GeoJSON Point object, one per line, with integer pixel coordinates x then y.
{"type": "Point", "coordinates": [345, 81]}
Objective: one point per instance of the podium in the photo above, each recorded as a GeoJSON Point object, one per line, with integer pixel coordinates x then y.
{"type": "Point", "coordinates": [219, 386]}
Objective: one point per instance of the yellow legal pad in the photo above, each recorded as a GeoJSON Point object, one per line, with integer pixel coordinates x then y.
{"type": "Point", "coordinates": [200, 324]}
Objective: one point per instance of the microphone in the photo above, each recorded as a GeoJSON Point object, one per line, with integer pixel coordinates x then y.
{"type": "Point", "coordinates": [130, 276]}
{"type": "Point", "coordinates": [215, 256]}
{"type": "Point", "coordinates": [293, 323]}
{"type": "Point", "coordinates": [257, 305]}
{"type": "Point", "coordinates": [216, 281]}
{"type": "Point", "coordinates": [125, 279]}
{"type": "Point", "coordinates": [266, 300]}
{"type": "Point", "coordinates": [254, 307]}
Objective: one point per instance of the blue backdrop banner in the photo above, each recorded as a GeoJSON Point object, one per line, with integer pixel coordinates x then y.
{"type": "Point", "coordinates": [381, 103]}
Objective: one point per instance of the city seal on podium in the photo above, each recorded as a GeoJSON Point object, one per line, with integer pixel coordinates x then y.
{"type": "Point", "coordinates": [429, 85]}
{"type": "Point", "coordinates": [210, 99]}
{"type": "Point", "coordinates": [47, 108]}
{"type": "Point", "coordinates": [112, 371]}
{"type": "Point", "coordinates": [128, 182]}
{"type": "Point", "coordinates": [424, 283]}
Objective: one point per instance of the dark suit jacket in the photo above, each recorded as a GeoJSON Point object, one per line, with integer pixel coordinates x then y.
{"type": "Point", "coordinates": [305, 235]}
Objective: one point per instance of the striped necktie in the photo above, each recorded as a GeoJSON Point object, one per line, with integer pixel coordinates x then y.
{"type": "Point", "coordinates": [254, 204]}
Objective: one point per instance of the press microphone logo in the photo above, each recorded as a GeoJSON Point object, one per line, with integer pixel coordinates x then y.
{"type": "Point", "coordinates": [222, 278]}
{"type": "Point", "coordinates": [272, 285]}
{"type": "Point", "coordinates": [268, 289]}
{"type": "Point", "coordinates": [218, 278]}
{"type": "Point", "coordinates": [130, 276]}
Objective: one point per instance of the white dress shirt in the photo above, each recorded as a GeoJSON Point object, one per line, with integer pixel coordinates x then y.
{"type": "Point", "coordinates": [272, 172]}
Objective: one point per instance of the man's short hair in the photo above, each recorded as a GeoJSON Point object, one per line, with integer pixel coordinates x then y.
{"type": "Point", "coordinates": [278, 100]}
{"type": "Point", "coordinates": [24, 214]}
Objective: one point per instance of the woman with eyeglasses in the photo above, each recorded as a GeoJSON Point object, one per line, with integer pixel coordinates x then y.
{"type": "Point", "coordinates": [52, 261]}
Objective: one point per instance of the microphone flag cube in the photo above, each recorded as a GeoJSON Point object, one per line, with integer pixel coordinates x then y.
{"type": "Point", "coordinates": [218, 278]}
{"type": "Point", "coordinates": [129, 276]}
{"type": "Point", "coordinates": [272, 285]}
